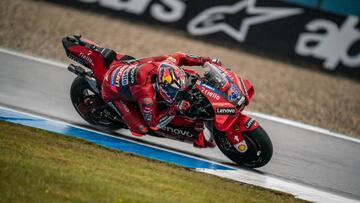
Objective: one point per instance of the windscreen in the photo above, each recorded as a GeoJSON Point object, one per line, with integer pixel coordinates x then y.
{"type": "Point", "coordinates": [215, 74]}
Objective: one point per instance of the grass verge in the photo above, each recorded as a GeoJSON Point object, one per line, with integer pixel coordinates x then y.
{"type": "Point", "coordinates": [38, 166]}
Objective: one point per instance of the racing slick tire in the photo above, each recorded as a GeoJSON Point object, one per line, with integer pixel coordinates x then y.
{"type": "Point", "coordinates": [259, 150]}
{"type": "Point", "coordinates": [91, 106]}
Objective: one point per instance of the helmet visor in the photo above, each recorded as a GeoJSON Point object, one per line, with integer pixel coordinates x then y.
{"type": "Point", "coordinates": [171, 91]}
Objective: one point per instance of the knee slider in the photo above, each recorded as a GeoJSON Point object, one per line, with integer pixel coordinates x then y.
{"type": "Point", "coordinates": [143, 129]}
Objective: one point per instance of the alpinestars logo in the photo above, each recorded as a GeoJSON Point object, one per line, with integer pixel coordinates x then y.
{"type": "Point", "coordinates": [216, 19]}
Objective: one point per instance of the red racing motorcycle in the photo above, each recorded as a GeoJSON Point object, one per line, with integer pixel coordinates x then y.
{"type": "Point", "coordinates": [217, 99]}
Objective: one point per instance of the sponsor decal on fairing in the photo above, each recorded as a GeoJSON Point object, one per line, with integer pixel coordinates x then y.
{"type": "Point", "coordinates": [208, 87]}
{"type": "Point", "coordinates": [178, 131]}
{"type": "Point", "coordinates": [225, 110]}
{"type": "Point", "coordinates": [210, 94]}
{"type": "Point", "coordinates": [87, 57]}
{"type": "Point", "coordinates": [249, 123]}
{"type": "Point", "coordinates": [241, 147]}
{"type": "Point", "coordinates": [233, 93]}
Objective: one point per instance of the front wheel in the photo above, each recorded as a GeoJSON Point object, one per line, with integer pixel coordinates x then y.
{"type": "Point", "coordinates": [259, 150]}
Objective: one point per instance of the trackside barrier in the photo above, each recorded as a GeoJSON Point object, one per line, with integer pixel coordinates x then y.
{"type": "Point", "coordinates": [288, 29]}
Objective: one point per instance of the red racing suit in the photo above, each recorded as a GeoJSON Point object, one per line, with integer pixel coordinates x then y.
{"type": "Point", "coordinates": [129, 88]}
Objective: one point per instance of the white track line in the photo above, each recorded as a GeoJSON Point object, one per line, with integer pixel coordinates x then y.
{"type": "Point", "coordinates": [303, 126]}
{"type": "Point", "coordinates": [298, 190]}
{"type": "Point", "coordinates": [33, 58]}
{"type": "Point", "coordinates": [257, 114]}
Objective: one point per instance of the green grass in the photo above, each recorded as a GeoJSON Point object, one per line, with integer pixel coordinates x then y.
{"type": "Point", "coordinates": [38, 166]}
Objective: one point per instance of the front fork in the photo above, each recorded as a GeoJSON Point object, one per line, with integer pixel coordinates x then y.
{"type": "Point", "coordinates": [235, 132]}
{"type": "Point", "coordinates": [209, 125]}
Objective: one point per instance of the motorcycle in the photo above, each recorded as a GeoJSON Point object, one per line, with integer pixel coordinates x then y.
{"type": "Point", "coordinates": [217, 99]}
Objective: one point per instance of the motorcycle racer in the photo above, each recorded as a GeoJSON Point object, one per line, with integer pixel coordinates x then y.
{"type": "Point", "coordinates": [158, 96]}
{"type": "Point", "coordinates": [145, 81]}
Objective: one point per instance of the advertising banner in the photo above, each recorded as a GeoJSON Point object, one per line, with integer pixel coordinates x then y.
{"type": "Point", "coordinates": [300, 34]}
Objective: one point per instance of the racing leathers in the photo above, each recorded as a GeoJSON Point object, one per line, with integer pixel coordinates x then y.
{"type": "Point", "coordinates": [128, 86]}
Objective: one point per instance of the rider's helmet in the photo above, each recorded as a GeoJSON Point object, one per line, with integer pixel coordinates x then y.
{"type": "Point", "coordinates": [171, 80]}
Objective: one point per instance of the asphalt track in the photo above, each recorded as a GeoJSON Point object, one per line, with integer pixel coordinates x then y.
{"type": "Point", "coordinates": [300, 155]}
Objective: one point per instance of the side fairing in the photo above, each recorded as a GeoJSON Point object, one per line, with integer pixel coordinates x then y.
{"type": "Point", "coordinates": [243, 123]}
{"type": "Point", "coordinates": [225, 112]}
{"type": "Point", "coordinates": [90, 59]}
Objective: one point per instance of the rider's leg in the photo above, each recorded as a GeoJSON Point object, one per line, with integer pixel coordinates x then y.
{"type": "Point", "coordinates": [131, 116]}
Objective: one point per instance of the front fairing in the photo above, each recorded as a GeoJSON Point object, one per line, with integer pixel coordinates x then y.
{"type": "Point", "coordinates": [241, 124]}
{"type": "Point", "coordinates": [227, 93]}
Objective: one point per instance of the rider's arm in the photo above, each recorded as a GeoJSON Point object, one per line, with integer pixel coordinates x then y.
{"type": "Point", "coordinates": [152, 59]}
{"type": "Point", "coordinates": [189, 59]}
{"type": "Point", "coordinates": [179, 58]}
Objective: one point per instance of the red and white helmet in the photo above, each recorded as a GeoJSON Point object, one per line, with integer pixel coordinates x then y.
{"type": "Point", "coordinates": [171, 79]}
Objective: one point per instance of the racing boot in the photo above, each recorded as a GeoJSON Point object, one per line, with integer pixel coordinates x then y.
{"type": "Point", "coordinates": [200, 141]}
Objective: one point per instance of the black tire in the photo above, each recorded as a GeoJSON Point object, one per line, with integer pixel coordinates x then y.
{"type": "Point", "coordinates": [259, 150]}
{"type": "Point", "coordinates": [81, 90]}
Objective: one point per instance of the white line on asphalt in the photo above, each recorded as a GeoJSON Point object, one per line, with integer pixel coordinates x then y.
{"type": "Point", "coordinates": [298, 190]}
{"type": "Point", "coordinates": [260, 115]}
{"type": "Point", "coordinates": [37, 59]}
{"type": "Point", "coordinates": [303, 126]}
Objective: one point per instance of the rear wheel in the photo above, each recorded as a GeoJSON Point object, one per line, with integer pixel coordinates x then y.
{"type": "Point", "coordinates": [91, 106]}
{"type": "Point", "coordinates": [259, 150]}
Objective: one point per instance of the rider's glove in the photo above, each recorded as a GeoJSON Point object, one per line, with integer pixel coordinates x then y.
{"type": "Point", "coordinates": [216, 61]}
{"type": "Point", "coordinates": [182, 106]}
{"type": "Point", "coordinates": [203, 60]}
{"type": "Point", "coordinates": [207, 59]}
